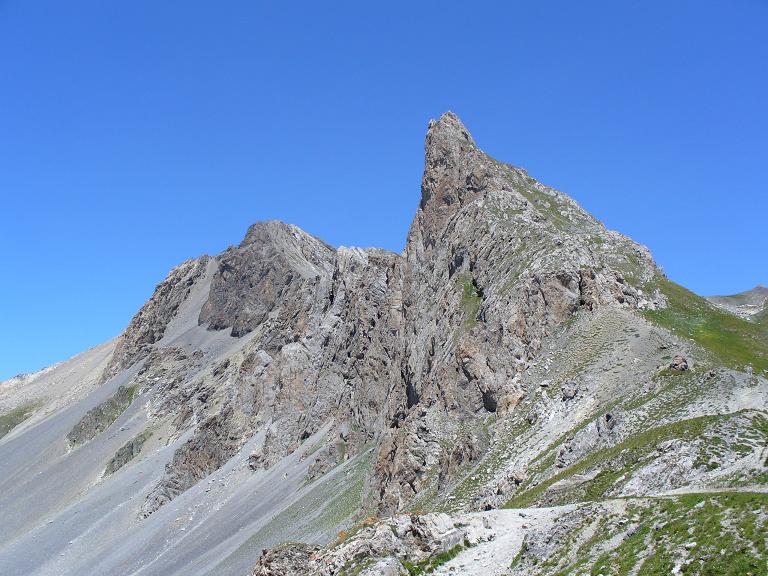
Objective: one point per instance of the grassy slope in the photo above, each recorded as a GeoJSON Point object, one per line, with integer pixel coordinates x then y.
{"type": "Point", "coordinates": [729, 340]}
{"type": "Point", "coordinates": [761, 318]}
{"type": "Point", "coordinates": [15, 417]}
{"type": "Point", "coordinates": [619, 461]}
{"type": "Point", "coordinates": [732, 340]}
{"type": "Point", "coordinates": [720, 534]}
{"type": "Point", "coordinates": [724, 535]}
{"type": "Point", "coordinates": [700, 534]}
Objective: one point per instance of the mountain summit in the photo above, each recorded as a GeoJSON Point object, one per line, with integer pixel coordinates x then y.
{"type": "Point", "coordinates": [516, 354]}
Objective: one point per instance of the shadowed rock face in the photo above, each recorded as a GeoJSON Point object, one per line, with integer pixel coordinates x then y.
{"type": "Point", "coordinates": [215, 441]}
{"type": "Point", "coordinates": [148, 326]}
{"type": "Point", "coordinates": [126, 453]}
{"type": "Point", "coordinates": [275, 263]}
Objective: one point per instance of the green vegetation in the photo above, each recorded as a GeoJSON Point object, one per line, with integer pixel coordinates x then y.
{"type": "Point", "coordinates": [16, 416]}
{"type": "Point", "coordinates": [732, 340]}
{"type": "Point", "coordinates": [327, 504]}
{"type": "Point", "coordinates": [98, 419]}
{"type": "Point", "coordinates": [631, 268]}
{"type": "Point", "coordinates": [760, 423]}
{"type": "Point", "coordinates": [430, 564]}
{"type": "Point", "coordinates": [518, 559]}
{"type": "Point", "coordinates": [714, 535]}
{"type": "Point", "coordinates": [471, 300]}
{"type": "Point", "coordinates": [548, 206]}
{"type": "Point", "coordinates": [345, 535]}
{"type": "Point", "coordinates": [708, 534]}
{"type": "Point", "coordinates": [133, 391]}
{"type": "Point", "coordinates": [761, 318]}
{"type": "Point", "coordinates": [356, 568]}
{"type": "Point", "coordinates": [127, 452]}
{"type": "Point", "coordinates": [615, 462]}
{"type": "Point", "coordinates": [475, 474]}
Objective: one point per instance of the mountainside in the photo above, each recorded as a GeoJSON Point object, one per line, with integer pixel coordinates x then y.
{"type": "Point", "coordinates": [521, 391]}
{"type": "Point", "coordinates": [747, 304]}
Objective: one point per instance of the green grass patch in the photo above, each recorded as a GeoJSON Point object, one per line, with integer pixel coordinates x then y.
{"type": "Point", "coordinates": [717, 535]}
{"type": "Point", "coordinates": [761, 318]}
{"type": "Point", "coordinates": [471, 299]}
{"type": "Point", "coordinates": [355, 567]}
{"type": "Point", "coordinates": [734, 341]}
{"type": "Point", "coordinates": [707, 534]}
{"type": "Point", "coordinates": [549, 207]}
{"type": "Point", "coordinates": [101, 417]}
{"type": "Point", "coordinates": [10, 420]}
{"type": "Point", "coordinates": [623, 457]}
{"type": "Point", "coordinates": [429, 565]}
{"type": "Point", "coordinates": [127, 452]}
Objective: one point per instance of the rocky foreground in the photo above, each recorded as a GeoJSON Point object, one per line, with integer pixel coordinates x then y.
{"type": "Point", "coordinates": [521, 391]}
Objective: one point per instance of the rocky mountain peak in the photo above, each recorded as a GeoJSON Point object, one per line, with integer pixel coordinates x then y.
{"type": "Point", "coordinates": [448, 127]}
{"type": "Point", "coordinates": [278, 232]}
{"type": "Point", "coordinates": [449, 150]}
{"type": "Point", "coordinates": [273, 259]}
{"type": "Point", "coordinates": [283, 386]}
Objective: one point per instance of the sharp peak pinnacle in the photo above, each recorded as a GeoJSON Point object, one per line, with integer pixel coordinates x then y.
{"type": "Point", "coordinates": [449, 126]}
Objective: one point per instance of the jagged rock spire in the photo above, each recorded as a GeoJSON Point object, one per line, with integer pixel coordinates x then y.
{"type": "Point", "coordinates": [448, 127]}
{"type": "Point", "coordinates": [447, 143]}
{"type": "Point", "coordinates": [455, 172]}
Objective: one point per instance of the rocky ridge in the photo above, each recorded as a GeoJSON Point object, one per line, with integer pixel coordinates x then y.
{"type": "Point", "coordinates": [517, 353]}
{"type": "Point", "coordinates": [747, 304]}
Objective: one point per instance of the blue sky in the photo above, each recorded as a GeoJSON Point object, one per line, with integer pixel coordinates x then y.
{"type": "Point", "coordinates": [135, 134]}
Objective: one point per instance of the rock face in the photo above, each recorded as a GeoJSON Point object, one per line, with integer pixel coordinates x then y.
{"type": "Point", "coordinates": [274, 265]}
{"type": "Point", "coordinates": [679, 363]}
{"type": "Point", "coordinates": [494, 261]}
{"type": "Point", "coordinates": [393, 545]}
{"type": "Point", "coordinates": [148, 326]}
{"type": "Point", "coordinates": [126, 453]}
{"type": "Point", "coordinates": [290, 560]}
{"type": "Point", "coordinates": [101, 417]}
{"type": "Point", "coordinates": [281, 389]}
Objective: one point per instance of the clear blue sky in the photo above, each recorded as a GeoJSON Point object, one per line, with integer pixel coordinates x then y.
{"type": "Point", "coordinates": [135, 134]}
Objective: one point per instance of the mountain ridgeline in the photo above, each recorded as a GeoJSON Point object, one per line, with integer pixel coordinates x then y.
{"type": "Point", "coordinates": [395, 412]}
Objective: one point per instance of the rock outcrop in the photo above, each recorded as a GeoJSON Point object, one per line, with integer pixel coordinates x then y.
{"type": "Point", "coordinates": [286, 560]}
{"type": "Point", "coordinates": [150, 323]}
{"type": "Point", "coordinates": [388, 547]}
{"type": "Point", "coordinates": [276, 268]}
{"type": "Point", "coordinates": [99, 418]}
